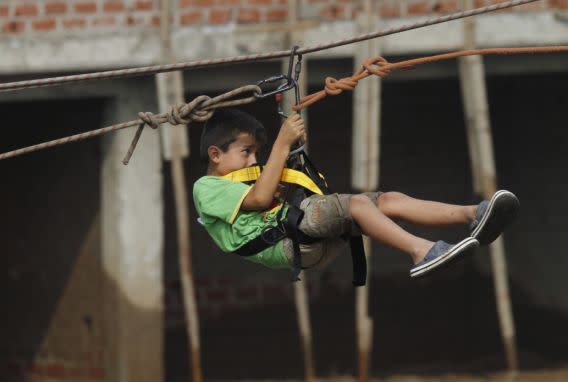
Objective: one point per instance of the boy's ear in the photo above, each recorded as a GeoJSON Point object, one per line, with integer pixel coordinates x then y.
{"type": "Point", "coordinates": [214, 154]}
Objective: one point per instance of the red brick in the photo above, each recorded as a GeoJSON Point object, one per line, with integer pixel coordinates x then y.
{"type": "Point", "coordinates": [113, 6]}
{"type": "Point", "coordinates": [3, 11]}
{"type": "Point", "coordinates": [419, 8]}
{"type": "Point", "coordinates": [229, 2]}
{"type": "Point", "coordinates": [134, 21]}
{"type": "Point", "coordinates": [97, 373]}
{"type": "Point", "coordinates": [504, 10]}
{"type": "Point", "coordinates": [530, 7]}
{"type": "Point", "coordinates": [274, 293]}
{"type": "Point", "coordinates": [189, 18]}
{"type": "Point", "coordinates": [277, 14]}
{"type": "Point", "coordinates": [259, 2]}
{"type": "Point", "coordinates": [220, 295]}
{"type": "Point", "coordinates": [26, 10]}
{"type": "Point", "coordinates": [13, 27]}
{"type": "Point", "coordinates": [480, 3]}
{"type": "Point", "coordinates": [105, 21]}
{"type": "Point", "coordinates": [196, 3]}
{"type": "Point", "coordinates": [219, 16]}
{"type": "Point", "coordinates": [560, 4]}
{"type": "Point", "coordinates": [55, 370]}
{"type": "Point", "coordinates": [55, 8]}
{"type": "Point", "coordinates": [43, 25]}
{"type": "Point", "coordinates": [156, 21]}
{"type": "Point", "coordinates": [333, 12]}
{"type": "Point", "coordinates": [388, 11]}
{"type": "Point", "coordinates": [77, 373]}
{"type": "Point", "coordinates": [74, 23]}
{"type": "Point", "coordinates": [247, 293]}
{"type": "Point", "coordinates": [36, 368]}
{"type": "Point", "coordinates": [447, 6]}
{"type": "Point", "coordinates": [248, 15]}
{"type": "Point", "coordinates": [144, 5]}
{"type": "Point", "coordinates": [86, 7]}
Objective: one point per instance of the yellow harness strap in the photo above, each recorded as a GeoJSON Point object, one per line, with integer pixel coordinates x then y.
{"type": "Point", "coordinates": [250, 174]}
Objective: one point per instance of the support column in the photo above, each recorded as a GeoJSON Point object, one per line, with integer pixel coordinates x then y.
{"type": "Point", "coordinates": [175, 147]}
{"type": "Point", "coordinates": [365, 168]}
{"type": "Point", "coordinates": [132, 246]}
{"type": "Point", "coordinates": [474, 93]}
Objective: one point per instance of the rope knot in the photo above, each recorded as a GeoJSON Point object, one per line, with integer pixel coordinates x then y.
{"type": "Point", "coordinates": [150, 119]}
{"type": "Point", "coordinates": [335, 87]}
{"type": "Point", "coordinates": [377, 65]}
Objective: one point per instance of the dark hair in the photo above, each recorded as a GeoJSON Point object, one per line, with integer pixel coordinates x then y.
{"type": "Point", "coordinates": [224, 127]}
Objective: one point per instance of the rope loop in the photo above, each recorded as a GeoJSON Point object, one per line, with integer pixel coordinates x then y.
{"type": "Point", "coordinates": [196, 109]}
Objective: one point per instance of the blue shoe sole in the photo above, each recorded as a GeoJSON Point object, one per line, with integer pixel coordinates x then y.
{"type": "Point", "coordinates": [462, 248]}
{"type": "Point", "coordinates": [501, 211]}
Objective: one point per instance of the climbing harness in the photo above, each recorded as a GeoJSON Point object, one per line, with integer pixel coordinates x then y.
{"type": "Point", "coordinates": [300, 172]}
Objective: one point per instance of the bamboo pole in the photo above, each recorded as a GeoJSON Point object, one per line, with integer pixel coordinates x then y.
{"type": "Point", "coordinates": [175, 147]}
{"type": "Point", "coordinates": [485, 179]}
{"type": "Point", "coordinates": [301, 299]}
{"type": "Point", "coordinates": [365, 171]}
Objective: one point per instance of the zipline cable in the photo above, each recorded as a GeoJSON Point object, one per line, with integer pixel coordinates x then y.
{"type": "Point", "coordinates": [146, 70]}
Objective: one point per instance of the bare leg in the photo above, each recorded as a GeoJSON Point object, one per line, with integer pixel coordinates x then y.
{"type": "Point", "coordinates": [380, 227]}
{"type": "Point", "coordinates": [424, 212]}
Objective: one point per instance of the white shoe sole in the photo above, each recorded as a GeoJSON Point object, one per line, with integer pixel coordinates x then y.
{"type": "Point", "coordinates": [463, 246]}
{"type": "Point", "coordinates": [502, 209]}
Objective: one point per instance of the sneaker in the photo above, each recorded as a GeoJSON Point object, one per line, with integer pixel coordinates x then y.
{"type": "Point", "coordinates": [492, 216]}
{"type": "Point", "coordinates": [440, 253]}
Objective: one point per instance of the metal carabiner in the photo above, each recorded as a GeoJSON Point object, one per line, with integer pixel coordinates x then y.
{"type": "Point", "coordinates": [289, 84]}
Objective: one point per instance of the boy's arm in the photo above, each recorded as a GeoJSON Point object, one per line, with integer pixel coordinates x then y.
{"type": "Point", "coordinates": [262, 193]}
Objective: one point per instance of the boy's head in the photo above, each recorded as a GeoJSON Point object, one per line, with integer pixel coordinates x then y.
{"type": "Point", "coordinates": [231, 140]}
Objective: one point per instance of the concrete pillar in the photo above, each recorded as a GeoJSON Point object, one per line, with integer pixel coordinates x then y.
{"type": "Point", "coordinates": [132, 244]}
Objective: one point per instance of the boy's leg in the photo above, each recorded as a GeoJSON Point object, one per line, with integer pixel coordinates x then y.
{"type": "Point", "coordinates": [380, 227]}
{"type": "Point", "coordinates": [425, 254]}
{"type": "Point", "coordinates": [424, 212]}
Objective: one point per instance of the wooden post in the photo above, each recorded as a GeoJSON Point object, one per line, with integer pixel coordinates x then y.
{"type": "Point", "coordinates": [175, 147]}
{"type": "Point", "coordinates": [365, 169]}
{"type": "Point", "coordinates": [485, 180]}
{"type": "Point", "coordinates": [301, 298]}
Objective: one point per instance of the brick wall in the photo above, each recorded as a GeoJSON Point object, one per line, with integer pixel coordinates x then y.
{"type": "Point", "coordinates": [42, 16]}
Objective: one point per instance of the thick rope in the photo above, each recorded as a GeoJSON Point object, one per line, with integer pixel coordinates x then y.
{"type": "Point", "coordinates": [378, 66]}
{"type": "Point", "coordinates": [199, 110]}
{"type": "Point", "coordinates": [53, 81]}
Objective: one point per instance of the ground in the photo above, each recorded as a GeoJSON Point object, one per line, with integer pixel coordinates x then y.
{"type": "Point", "coordinates": [547, 375]}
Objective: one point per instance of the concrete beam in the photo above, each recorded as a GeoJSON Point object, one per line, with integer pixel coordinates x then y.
{"type": "Point", "coordinates": [80, 52]}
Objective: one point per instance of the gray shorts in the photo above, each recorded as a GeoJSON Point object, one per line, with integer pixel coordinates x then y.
{"type": "Point", "coordinates": [327, 217]}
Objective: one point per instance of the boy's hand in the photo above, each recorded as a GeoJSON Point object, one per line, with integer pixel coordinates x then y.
{"type": "Point", "coordinates": [292, 130]}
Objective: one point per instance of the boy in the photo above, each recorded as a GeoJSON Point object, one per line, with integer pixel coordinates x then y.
{"type": "Point", "coordinates": [234, 213]}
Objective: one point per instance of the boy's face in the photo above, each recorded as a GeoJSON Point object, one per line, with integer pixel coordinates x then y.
{"type": "Point", "coordinates": [240, 154]}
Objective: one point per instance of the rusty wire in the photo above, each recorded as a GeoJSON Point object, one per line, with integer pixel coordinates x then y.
{"type": "Point", "coordinates": [379, 66]}
{"type": "Point", "coordinates": [147, 70]}
{"type": "Point", "coordinates": [199, 109]}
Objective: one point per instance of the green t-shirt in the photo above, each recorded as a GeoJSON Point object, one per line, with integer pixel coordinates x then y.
{"type": "Point", "coordinates": [218, 202]}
